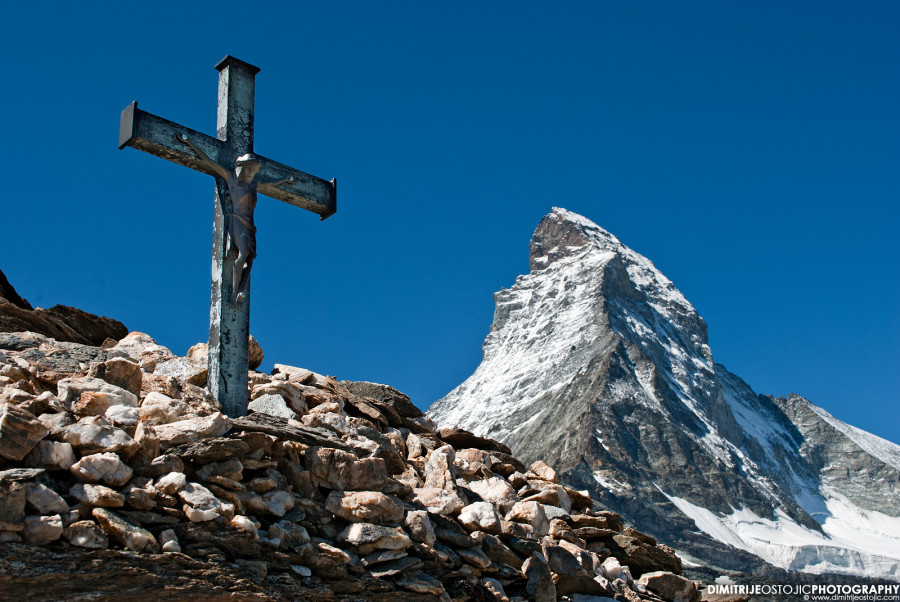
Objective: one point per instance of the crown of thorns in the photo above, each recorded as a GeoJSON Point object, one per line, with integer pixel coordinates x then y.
{"type": "Point", "coordinates": [248, 158]}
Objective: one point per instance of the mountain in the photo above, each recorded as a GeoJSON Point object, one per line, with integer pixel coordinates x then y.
{"type": "Point", "coordinates": [596, 363]}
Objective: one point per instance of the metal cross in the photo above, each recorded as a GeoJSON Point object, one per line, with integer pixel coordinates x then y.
{"type": "Point", "coordinates": [229, 322]}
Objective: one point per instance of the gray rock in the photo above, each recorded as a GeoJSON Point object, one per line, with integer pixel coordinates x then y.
{"type": "Point", "coordinates": [540, 581]}
{"type": "Point", "coordinates": [274, 405]}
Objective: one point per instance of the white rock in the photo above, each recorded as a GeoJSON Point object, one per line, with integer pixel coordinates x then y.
{"type": "Point", "coordinates": [611, 568]}
{"type": "Point", "coordinates": [41, 530]}
{"type": "Point", "coordinates": [142, 348]}
{"type": "Point", "coordinates": [45, 500]}
{"type": "Point", "coordinates": [121, 415]}
{"type": "Point", "coordinates": [169, 541]}
{"type": "Point", "coordinates": [438, 501]}
{"type": "Point", "coordinates": [242, 522]}
{"type": "Point", "coordinates": [171, 483]}
{"type": "Point", "coordinates": [192, 429]}
{"type": "Point", "coordinates": [420, 526]}
{"type": "Point", "coordinates": [53, 455]}
{"type": "Point", "coordinates": [157, 408]}
{"type": "Point", "coordinates": [531, 513]}
{"type": "Point", "coordinates": [480, 516]}
{"type": "Point", "coordinates": [497, 491]}
{"type": "Point", "coordinates": [105, 468]}
{"type": "Point", "coordinates": [201, 505]}
{"type": "Point", "coordinates": [97, 495]}
{"type": "Point", "coordinates": [278, 502]}
{"type": "Point", "coordinates": [337, 423]}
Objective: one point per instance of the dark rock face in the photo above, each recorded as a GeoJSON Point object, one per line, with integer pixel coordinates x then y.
{"type": "Point", "coordinates": [598, 365]}
{"type": "Point", "coordinates": [60, 322]}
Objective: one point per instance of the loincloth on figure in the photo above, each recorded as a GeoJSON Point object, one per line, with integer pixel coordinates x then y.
{"type": "Point", "coordinates": [240, 222]}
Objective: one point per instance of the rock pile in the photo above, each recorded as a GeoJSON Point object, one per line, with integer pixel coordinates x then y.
{"type": "Point", "coordinates": [328, 490]}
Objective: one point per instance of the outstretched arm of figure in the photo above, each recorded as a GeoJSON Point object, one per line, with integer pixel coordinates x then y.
{"type": "Point", "coordinates": [220, 171]}
{"type": "Point", "coordinates": [290, 179]}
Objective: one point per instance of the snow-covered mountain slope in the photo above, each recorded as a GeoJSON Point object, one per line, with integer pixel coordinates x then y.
{"type": "Point", "coordinates": [596, 362]}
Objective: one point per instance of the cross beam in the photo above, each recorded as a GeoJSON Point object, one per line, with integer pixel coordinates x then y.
{"type": "Point", "coordinates": [229, 322]}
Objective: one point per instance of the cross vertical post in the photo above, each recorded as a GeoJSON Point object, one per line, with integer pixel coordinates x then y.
{"type": "Point", "coordinates": [229, 324]}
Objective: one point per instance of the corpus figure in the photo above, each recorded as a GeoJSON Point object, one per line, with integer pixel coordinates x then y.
{"type": "Point", "coordinates": [242, 187]}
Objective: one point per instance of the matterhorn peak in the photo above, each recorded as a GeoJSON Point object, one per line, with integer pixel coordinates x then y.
{"type": "Point", "coordinates": [562, 233]}
{"type": "Point", "coordinates": [596, 363]}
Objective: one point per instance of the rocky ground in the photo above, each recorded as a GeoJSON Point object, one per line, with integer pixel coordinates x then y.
{"type": "Point", "coordinates": [121, 478]}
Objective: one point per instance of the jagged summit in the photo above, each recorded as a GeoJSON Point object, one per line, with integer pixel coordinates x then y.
{"type": "Point", "coordinates": [596, 363]}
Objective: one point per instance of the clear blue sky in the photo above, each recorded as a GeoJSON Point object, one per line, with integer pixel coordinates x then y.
{"type": "Point", "coordinates": [750, 149]}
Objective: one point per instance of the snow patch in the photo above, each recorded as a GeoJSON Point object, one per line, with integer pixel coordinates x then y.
{"type": "Point", "coordinates": [854, 542]}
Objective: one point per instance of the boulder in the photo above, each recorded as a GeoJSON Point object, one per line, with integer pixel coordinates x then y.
{"type": "Point", "coordinates": [87, 396]}
{"type": "Point", "coordinates": [420, 527]}
{"type": "Point", "coordinates": [201, 505]}
{"type": "Point", "coordinates": [341, 470]}
{"type": "Point", "coordinates": [192, 429]}
{"type": "Point", "coordinates": [438, 501]}
{"type": "Point", "coordinates": [183, 369]}
{"type": "Point", "coordinates": [20, 431]}
{"type": "Point", "coordinates": [44, 500]}
{"type": "Point", "coordinates": [420, 583]}
{"type": "Point", "coordinates": [105, 468]}
{"type": "Point", "coordinates": [541, 470]}
{"type": "Point", "coordinates": [439, 468]}
{"type": "Point", "coordinates": [94, 434]}
{"type": "Point", "coordinates": [670, 586]}
{"type": "Point", "coordinates": [540, 584]}
{"type": "Point", "coordinates": [460, 438]}
{"type": "Point", "coordinates": [274, 405]}
{"type": "Point", "coordinates": [480, 516]}
{"type": "Point", "coordinates": [52, 455]}
{"type": "Point", "coordinates": [143, 349]}
{"type": "Point", "coordinates": [497, 491]}
{"type": "Point", "coordinates": [643, 557]}
{"type": "Point", "coordinates": [365, 507]}
{"type": "Point", "coordinates": [41, 530]}
{"type": "Point", "coordinates": [369, 537]}
{"type": "Point", "coordinates": [136, 539]}
{"type": "Point", "coordinates": [86, 534]}
{"type": "Point", "coordinates": [384, 393]}
{"type": "Point", "coordinates": [12, 505]}
{"type": "Point", "coordinates": [530, 513]}
{"type": "Point", "coordinates": [121, 372]}
{"type": "Point", "coordinates": [97, 495]}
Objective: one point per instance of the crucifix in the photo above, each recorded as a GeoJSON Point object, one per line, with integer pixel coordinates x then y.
{"type": "Point", "coordinates": [239, 176]}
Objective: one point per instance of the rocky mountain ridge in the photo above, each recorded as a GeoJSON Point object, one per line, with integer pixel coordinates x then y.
{"type": "Point", "coordinates": [60, 322]}
{"type": "Point", "coordinates": [596, 363]}
{"type": "Point", "coordinates": [120, 478]}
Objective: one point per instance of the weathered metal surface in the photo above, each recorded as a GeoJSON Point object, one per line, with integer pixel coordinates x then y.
{"type": "Point", "coordinates": [155, 135]}
{"type": "Point", "coordinates": [229, 322]}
